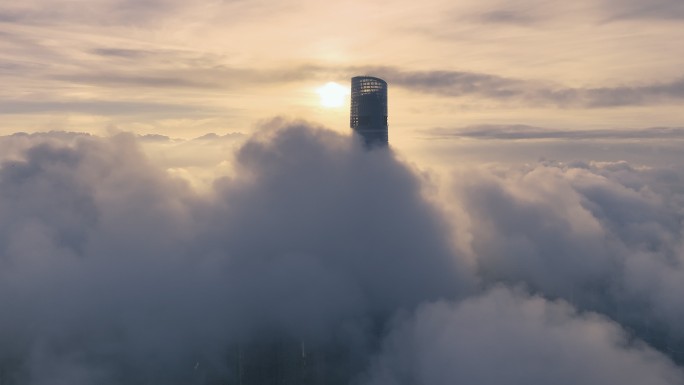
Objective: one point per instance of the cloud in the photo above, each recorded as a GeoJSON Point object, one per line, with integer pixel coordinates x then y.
{"type": "Point", "coordinates": [644, 10]}
{"type": "Point", "coordinates": [508, 17]}
{"type": "Point", "coordinates": [504, 337]}
{"type": "Point", "coordinates": [107, 12]}
{"type": "Point", "coordinates": [203, 76]}
{"type": "Point", "coordinates": [452, 83]}
{"type": "Point", "coordinates": [604, 236]}
{"type": "Point", "coordinates": [536, 13]}
{"type": "Point", "coordinates": [114, 271]}
{"type": "Point", "coordinates": [101, 107]}
{"type": "Point", "coordinates": [524, 132]}
{"type": "Point", "coordinates": [121, 52]}
{"type": "Point", "coordinates": [618, 96]}
{"type": "Point", "coordinates": [160, 69]}
{"type": "Point", "coordinates": [528, 92]}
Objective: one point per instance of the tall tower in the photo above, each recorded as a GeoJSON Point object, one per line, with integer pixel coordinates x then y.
{"type": "Point", "coordinates": [368, 116]}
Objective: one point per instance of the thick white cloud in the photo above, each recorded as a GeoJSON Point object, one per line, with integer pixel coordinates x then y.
{"type": "Point", "coordinates": [113, 270]}
{"type": "Point", "coordinates": [504, 337]}
{"type": "Point", "coordinates": [605, 236]}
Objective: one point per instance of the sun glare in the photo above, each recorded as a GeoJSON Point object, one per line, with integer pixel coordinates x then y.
{"type": "Point", "coordinates": [332, 95]}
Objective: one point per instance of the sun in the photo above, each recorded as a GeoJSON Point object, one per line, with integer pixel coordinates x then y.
{"type": "Point", "coordinates": [332, 95]}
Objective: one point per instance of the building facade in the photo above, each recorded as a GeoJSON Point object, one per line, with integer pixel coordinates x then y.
{"type": "Point", "coordinates": [368, 117]}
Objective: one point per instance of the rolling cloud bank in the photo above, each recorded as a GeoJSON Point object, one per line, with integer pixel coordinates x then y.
{"type": "Point", "coordinates": [115, 271]}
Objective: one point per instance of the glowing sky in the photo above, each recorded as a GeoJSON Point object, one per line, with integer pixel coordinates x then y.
{"type": "Point", "coordinates": [184, 69]}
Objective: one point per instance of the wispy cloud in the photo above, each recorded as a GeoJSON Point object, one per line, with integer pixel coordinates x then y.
{"type": "Point", "coordinates": [524, 132]}
{"type": "Point", "coordinates": [99, 107]}
{"type": "Point", "coordinates": [507, 17]}
{"type": "Point", "coordinates": [531, 92]}
{"type": "Point", "coordinates": [644, 9]}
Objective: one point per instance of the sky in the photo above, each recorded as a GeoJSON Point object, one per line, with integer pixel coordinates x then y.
{"type": "Point", "coordinates": [184, 69]}
{"type": "Point", "coordinates": [172, 189]}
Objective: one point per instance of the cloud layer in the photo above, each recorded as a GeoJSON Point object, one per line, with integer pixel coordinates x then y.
{"type": "Point", "coordinates": [530, 92]}
{"type": "Point", "coordinates": [606, 237]}
{"type": "Point", "coordinates": [505, 337]}
{"type": "Point", "coordinates": [114, 271]}
{"type": "Point", "coordinates": [523, 132]}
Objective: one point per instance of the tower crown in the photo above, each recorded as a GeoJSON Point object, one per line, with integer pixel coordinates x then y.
{"type": "Point", "coordinates": [368, 116]}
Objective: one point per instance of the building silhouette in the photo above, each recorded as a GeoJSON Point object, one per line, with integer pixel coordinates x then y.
{"type": "Point", "coordinates": [368, 117]}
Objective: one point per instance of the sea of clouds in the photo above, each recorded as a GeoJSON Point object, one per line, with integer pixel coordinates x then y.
{"type": "Point", "coordinates": [114, 270]}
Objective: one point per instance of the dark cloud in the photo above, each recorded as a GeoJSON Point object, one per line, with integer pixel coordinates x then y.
{"type": "Point", "coordinates": [9, 17]}
{"type": "Point", "coordinates": [64, 136]}
{"type": "Point", "coordinates": [508, 17]}
{"type": "Point", "coordinates": [460, 83]}
{"type": "Point", "coordinates": [213, 137]}
{"type": "Point", "coordinates": [190, 79]}
{"type": "Point", "coordinates": [533, 12]}
{"type": "Point", "coordinates": [452, 83]}
{"type": "Point", "coordinates": [105, 13]}
{"type": "Point", "coordinates": [524, 132]}
{"type": "Point", "coordinates": [121, 52]}
{"type": "Point", "coordinates": [139, 11]}
{"type": "Point", "coordinates": [644, 9]}
{"type": "Point", "coordinates": [616, 96]}
{"type": "Point", "coordinates": [155, 138]}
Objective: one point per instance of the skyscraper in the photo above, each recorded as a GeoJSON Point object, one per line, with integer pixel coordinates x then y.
{"type": "Point", "coordinates": [368, 116]}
